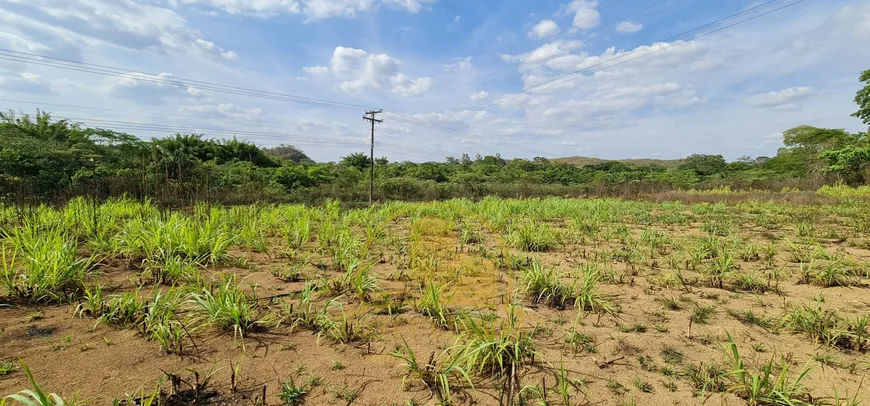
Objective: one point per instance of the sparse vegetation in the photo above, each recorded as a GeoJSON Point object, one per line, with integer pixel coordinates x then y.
{"type": "Point", "coordinates": [472, 319]}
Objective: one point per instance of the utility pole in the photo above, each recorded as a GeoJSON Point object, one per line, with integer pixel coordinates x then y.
{"type": "Point", "coordinates": [372, 116]}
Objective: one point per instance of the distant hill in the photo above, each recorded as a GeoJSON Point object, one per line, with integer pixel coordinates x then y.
{"type": "Point", "coordinates": [581, 161]}
{"type": "Point", "coordinates": [289, 153]}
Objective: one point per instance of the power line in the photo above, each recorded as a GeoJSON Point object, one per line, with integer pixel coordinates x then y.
{"type": "Point", "coordinates": [501, 73]}
{"type": "Point", "coordinates": [538, 87]}
{"type": "Point", "coordinates": [543, 58]}
{"type": "Point", "coordinates": [164, 128]}
{"type": "Point", "coordinates": [371, 116]}
{"type": "Point", "coordinates": [193, 128]}
{"type": "Point", "coordinates": [67, 64]}
{"type": "Point", "coordinates": [438, 127]}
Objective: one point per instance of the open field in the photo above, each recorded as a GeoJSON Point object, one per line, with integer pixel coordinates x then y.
{"type": "Point", "coordinates": [555, 301]}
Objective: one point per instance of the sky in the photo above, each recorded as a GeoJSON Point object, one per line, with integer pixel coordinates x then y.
{"type": "Point", "coordinates": [610, 78]}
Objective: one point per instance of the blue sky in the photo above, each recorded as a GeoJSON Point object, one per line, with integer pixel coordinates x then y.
{"type": "Point", "coordinates": [453, 76]}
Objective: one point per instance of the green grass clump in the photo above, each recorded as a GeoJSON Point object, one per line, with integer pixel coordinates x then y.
{"type": "Point", "coordinates": [589, 299]}
{"type": "Point", "coordinates": [546, 286]}
{"type": "Point", "coordinates": [764, 387]}
{"type": "Point", "coordinates": [702, 314]}
{"type": "Point", "coordinates": [229, 307]}
{"type": "Point", "coordinates": [706, 378]}
{"type": "Point", "coordinates": [533, 237]}
{"type": "Point", "coordinates": [6, 367]}
{"type": "Point", "coordinates": [43, 266]}
{"type": "Point", "coordinates": [751, 318]}
{"type": "Point", "coordinates": [292, 394]}
{"type": "Point", "coordinates": [433, 304]}
{"type": "Point", "coordinates": [816, 323]}
{"type": "Point", "coordinates": [36, 396]}
{"type": "Point", "coordinates": [440, 374]}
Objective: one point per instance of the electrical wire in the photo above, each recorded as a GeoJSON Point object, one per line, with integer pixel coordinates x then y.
{"type": "Point", "coordinates": [67, 64]}
{"type": "Point", "coordinates": [538, 87]}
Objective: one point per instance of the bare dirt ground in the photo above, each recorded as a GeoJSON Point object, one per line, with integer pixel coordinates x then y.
{"type": "Point", "coordinates": [671, 318]}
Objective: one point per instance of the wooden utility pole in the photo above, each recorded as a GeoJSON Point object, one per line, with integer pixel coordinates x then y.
{"type": "Point", "coordinates": [371, 116]}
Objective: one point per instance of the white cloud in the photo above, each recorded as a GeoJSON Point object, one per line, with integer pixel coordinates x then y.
{"type": "Point", "coordinates": [460, 64]}
{"type": "Point", "coordinates": [149, 89]}
{"type": "Point", "coordinates": [405, 87]}
{"type": "Point", "coordinates": [121, 24]}
{"type": "Point", "coordinates": [311, 9]}
{"type": "Point", "coordinates": [25, 82]}
{"type": "Point", "coordinates": [629, 27]}
{"type": "Point", "coordinates": [261, 8]}
{"type": "Point", "coordinates": [222, 110]}
{"type": "Point", "coordinates": [781, 99]}
{"type": "Point", "coordinates": [479, 95]}
{"type": "Point", "coordinates": [544, 29]}
{"type": "Point", "coordinates": [412, 6]}
{"type": "Point", "coordinates": [586, 16]}
{"type": "Point", "coordinates": [357, 70]}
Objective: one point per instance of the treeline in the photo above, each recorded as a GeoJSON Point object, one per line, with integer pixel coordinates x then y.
{"type": "Point", "coordinates": [44, 160]}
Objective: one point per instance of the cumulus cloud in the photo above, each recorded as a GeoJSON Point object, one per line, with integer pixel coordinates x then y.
{"type": "Point", "coordinates": [357, 70]}
{"type": "Point", "coordinates": [122, 24]}
{"type": "Point", "coordinates": [544, 29]}
{"type": "Point", "coordinates": [780, 100]}
{"type": "Point", "coordinates": [405, 86]}
{"type": "Point", "coordinates": [629, 27]}
{"type": "Point", "coordinates": [586, 16]}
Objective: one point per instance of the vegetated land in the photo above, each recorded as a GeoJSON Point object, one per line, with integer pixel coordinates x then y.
{"type": "Point", "coordinates": [585, 161]}
{"type": "Point", "coordinates": [45, 160]}
{"type": "Point", "coordinates": [598, 301]}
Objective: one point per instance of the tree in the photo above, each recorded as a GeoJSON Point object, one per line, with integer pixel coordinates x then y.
{"type": "Point", "coordinates": [851, 162]}
{"type": "Point", "coordinates": [704, 165]}
{"type": "Point", "coordinates": [803, 145]}
{"type": "Point", "coordinates": [862, 98]}
{"type": "Point", "coordinates": [814, 140]}
{"type": "Point", "coordinates": [357, 160]}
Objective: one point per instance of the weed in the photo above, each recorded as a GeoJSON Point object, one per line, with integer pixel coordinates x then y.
{"type": "Point", "coordinates": [647, 363]}
{"type": "Point", "coordinates": [432, 304]}
{"type": "Point", "coordinates": [588, 298]}
{"type": "Point", "coordinates": [545, 286]}
{"type": "Point", "coordinates": [706, 378]}
{"type": "Point", "coordinates": [672, 356]}
{"type": "Point", "coordinates": [632, 328]}
{"type": "Point", "coordinates": [642, 385]}
{"type": "Point", "coordinates": [346, 394]}
{"type": "Point", "coordinates": [36, 396]}
{"type": "Point", "coordinates": [579, 341]}
{"type": "Point", "coordinates": [439, 374]}
{"type": "Point", "coordinates": [229, 308]}
{"type": "Point", "coordinates": [616, 388]}
{"type": "Point", "coordinates": [292, 394]}
{"type": "Point", "coordinates": [702, 314]}
{"type": "Point", "coordinates": [533, 237]}
{"type": "Point", "coordinates": [816, 323]}
{"type": "Point", "coordinates": [763, 387]}
{"type": "Point", "coordinates": [6, 367]}
{"type": "Point", "coordinates": [749, 317]}
{"type": "Point", "coordinates": [670, 303]}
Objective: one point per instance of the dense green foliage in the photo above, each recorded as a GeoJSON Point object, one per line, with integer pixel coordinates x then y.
{"type": "Point", "coordinates": [42, 158]}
